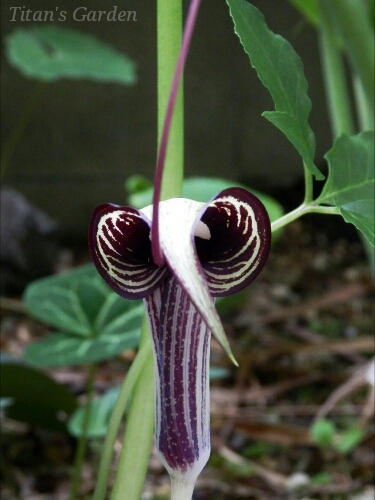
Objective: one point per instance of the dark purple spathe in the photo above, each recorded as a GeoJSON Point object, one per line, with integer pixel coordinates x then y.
{"type": "Point", "coordinates": [209, 251]}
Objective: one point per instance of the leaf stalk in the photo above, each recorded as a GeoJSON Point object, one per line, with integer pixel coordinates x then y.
{"type": "Point", "coordinates": [82, 441]}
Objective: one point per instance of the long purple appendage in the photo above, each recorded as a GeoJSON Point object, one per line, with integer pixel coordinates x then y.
{"type": "Point", "coordinates": [181, 343]}
{"type": "Point", "coordinates": [157, 253]}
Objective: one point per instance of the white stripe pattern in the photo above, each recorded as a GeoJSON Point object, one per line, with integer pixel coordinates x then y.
{"type": "Point", "coordinates": [181, 346]}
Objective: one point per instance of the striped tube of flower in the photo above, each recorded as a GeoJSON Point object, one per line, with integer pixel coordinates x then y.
{"type": "Point", "coordinates": [209, 250]}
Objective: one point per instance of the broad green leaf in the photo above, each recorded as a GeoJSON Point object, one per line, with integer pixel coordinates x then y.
{"type": "Point", "coordinates": [36, 398]}
{"type": "Point", "coordinates": [201, 189]}
{"type": "Point", "coordinates": [79, 302]}
{"type": "Point", "coordinates": [281, 71]}
{"type": "Point", "coordinates": [309, 9]}
{"type": "Point", "coordinates": [61, 349]}
{"type": "Point", "coordinates": [49, 53]}
{"type": "Point", "coordinates": [100, 413]}
{"type": "Point", "coordinates": [361, 214]}
{"type": "Point", "coordinates": [350, 184]}
{"type": "Point", "coordinates": [117, 315]}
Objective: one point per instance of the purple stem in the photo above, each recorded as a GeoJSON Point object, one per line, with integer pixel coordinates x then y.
{"type": "Point", "coordinates": [157, 253]}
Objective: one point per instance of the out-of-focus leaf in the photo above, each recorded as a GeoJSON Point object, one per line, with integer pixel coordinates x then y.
{"type": "Point", "coordinates": [203, 189]}
{"type": "Point", "coordinates": [68, 301]}
{"type": "Point", "coordinates": [137, 184]}
{"type": "Point", "coordinates": [61, 349]}
{"type": "Point", "coordinates": [322, 478]}
{"type": "Point", "coordinates": [350, 184]}
{"type": "Point", "coordinates": [309, 9]}
{"type": "Point", "coordinates": [37, 399]}
{"type": "Point", "coordinates": [348, 440]}
{"type": "Point", "coordinates": [323, 431]}
{"type": "Point", "coordinates": [100, 414]}
{"type": "Point", "coordinates": [80, 302]}
{"type": "Point", "coordinates": [281, 71]}
{"type": "Point", "coordinates": [357, 32]}
{"type": "Point", "coordinates": [226, 304]}
{"type": "Point", "coordinates": [49, 53]}
{"type": "Point", "coordinates": [96, 323]}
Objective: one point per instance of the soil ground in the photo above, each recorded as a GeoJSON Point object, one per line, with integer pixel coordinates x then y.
{"type": "Point", "coordinates": [303, 336]}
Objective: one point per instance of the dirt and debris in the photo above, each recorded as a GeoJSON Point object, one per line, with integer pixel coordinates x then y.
{"type": "Point", "coordinates": [304, 337]}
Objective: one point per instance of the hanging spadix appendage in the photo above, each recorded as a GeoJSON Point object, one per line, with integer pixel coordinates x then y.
{"type": "Point", "coordinates": [210, 250]}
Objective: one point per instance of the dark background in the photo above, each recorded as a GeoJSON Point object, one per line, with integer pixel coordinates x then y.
{"type": "Point", "coordinates": [86, 138]}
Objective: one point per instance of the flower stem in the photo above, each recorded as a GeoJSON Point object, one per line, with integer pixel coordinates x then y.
{"type": "Point", "coordinates": [144, 356]}
{"type": "Point", "coordinates": [334, 75]}
{"type": "Point", "coordinates": [137, 441]}
{"type": "Point", "coordinates": [169, 167]}
{"type": "Point", "coordinates": [82, 442]}
{"type": "Point", "coordinates": [169, 36]}
{"type": "Point", "coordinates": [181, 490]}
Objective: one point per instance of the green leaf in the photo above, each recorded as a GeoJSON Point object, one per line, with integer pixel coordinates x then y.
{"type": "Point", "coordinates": [281, 71]}
{"type": "Point", "coordinates": [350, 184]}
{"type": "Point", "coordinates": [309, 9]}
{"type": "Point", "coordinates": [61, 349]}
{"type": "Point", "coordinates": [100, 413]}
{"type": "Point", "coordinates": [96, 323]}
{"type": "Point", "coordinates": [203, 189]}
{"type": "Point", "coordinates": [361, 214]}
{"type": "Point", "coordinates": [36, 398]}
{"type": "Point", "coordinates": [322, 478]}
{"type": "Point", "coordinates": [348, 440]}
{"type": "Point", "coordinates": [323, 431]}
{"type": "Point", "coordinates": [79, 302]}
{"type": "Point", "coordinates": [49, 53]}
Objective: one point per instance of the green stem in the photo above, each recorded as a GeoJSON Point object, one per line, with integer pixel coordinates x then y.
{"type": "Point", "coordinates": [300, 211]}
{"type": "Point", "coordinates": [351, 18]}
{"type": "Point", "coordinates": [334, 75]}
{"type": "Point", "coordinates": [82, 442]}
{"type": "Point", "coordinates": [16, 135]}
{"type": "Point", "coordinates": [137, 442]}
{"type": "Point", "coordinates": [366, 116]}
{"type": "Point", "coordinates": [144, 356]}
{"type": "Point", "coordinates": [308, 185]}
{"type": "Point", "coordinates": [169, 36]}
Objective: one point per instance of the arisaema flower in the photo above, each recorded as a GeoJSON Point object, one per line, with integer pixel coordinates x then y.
{"type": "Point", "coordinates": [209, 250]}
